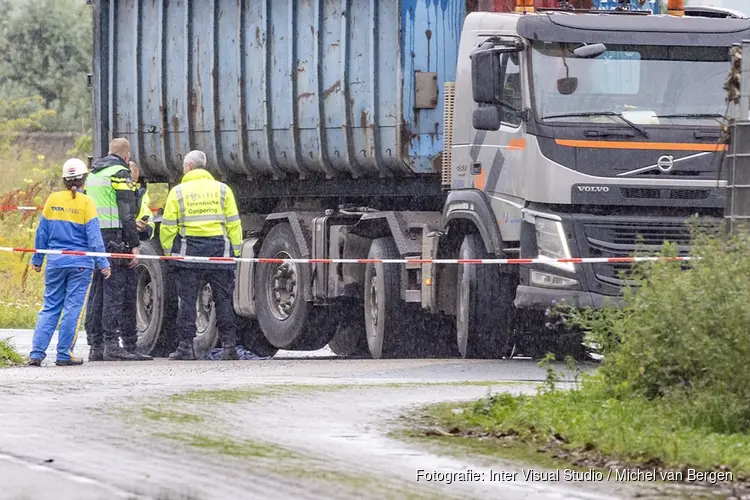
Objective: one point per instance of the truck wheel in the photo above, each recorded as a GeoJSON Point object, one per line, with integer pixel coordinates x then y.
{"type": "Point", "coordinates": [484, 309]}
{"type": "Point", "coordinates": [387, 317]}
{"type": "Point", "coordinates": [156, 304]}
{"type": "Point", "coordinates": [206, 331]}
{"type": "Point", "coordinates": [287, 320]}
{"type": "Point", "coordinates": [351, 338]}
{"type": "Point", "coordinates": [252, 339]}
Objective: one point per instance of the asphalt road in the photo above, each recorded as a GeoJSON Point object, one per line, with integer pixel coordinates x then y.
{"type": "Point", "coordinates": [309, 426]}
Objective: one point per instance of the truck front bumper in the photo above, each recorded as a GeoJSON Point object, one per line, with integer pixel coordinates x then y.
{"type": "Point", "coordinates": [532, 297]}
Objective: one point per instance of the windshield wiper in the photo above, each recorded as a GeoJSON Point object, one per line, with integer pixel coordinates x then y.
{"type": "Point", "coordinates": [601, 113]}
{"type": "Point", "coordinates": [691, 115]}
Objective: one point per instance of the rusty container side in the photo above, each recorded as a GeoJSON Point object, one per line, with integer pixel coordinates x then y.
{"type": "Point", "coordinates": [276, 89]}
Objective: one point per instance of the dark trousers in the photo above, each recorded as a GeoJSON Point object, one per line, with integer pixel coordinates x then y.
{"type": "Point", "coordinates": [110, 313]}
{"type": "Point", "coordinates": [129, 330]}
{"type": "Point", "coordinates": [93, 323]}
{"type": "Point", "coordinates": [221, 278]}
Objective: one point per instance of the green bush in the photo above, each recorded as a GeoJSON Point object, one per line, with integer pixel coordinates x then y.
{"type": "Point", "coordinates": [683, 335]}
{"type": "Point", "coordinates": [8, 354]}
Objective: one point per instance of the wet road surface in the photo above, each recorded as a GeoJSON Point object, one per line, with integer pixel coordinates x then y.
{"type": "Point", "coordinates": [308, 426]}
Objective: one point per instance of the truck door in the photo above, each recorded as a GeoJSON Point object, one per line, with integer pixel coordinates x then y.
{"type": "Point", "coordinates": [502, 172]}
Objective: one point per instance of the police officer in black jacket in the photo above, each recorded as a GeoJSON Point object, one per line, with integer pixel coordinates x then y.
{"type": "Point", "coordinates": [111, 186]}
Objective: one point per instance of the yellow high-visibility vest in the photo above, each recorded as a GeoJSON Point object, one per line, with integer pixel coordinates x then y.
{"type": "Point", "coordinates": [145, 211]}
{"type": "Point", "coordinates": [201, 207]}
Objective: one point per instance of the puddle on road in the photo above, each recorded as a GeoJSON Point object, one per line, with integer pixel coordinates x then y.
{"type": "Point", "coordinates": [340, 432]}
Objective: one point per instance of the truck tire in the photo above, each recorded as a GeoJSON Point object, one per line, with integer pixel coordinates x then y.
{"type": "Point", "coordinates": [350, 339]}
{"type": "Point", "coordinates": [156, 304]}
{"type": "Point", "coordinates": [484, 308]}
{"type": "Point", "coordinates": [388, 320]}
{"type": "Point", "coordinates": [286, 319]}
{"type": "Point", "coordinates": [252, 339]}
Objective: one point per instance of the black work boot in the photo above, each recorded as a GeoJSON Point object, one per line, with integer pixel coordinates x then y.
{"type": "Point", "coordinates": [113, 352]}
{"type": "Point", "coordinates": [133, 349]}
{"type": "Point", "coordinates": [229, 353]}
{"type": "Point", "coordinates": [96, 353]}
{"type": "Point", "coordinates": [184, 352]}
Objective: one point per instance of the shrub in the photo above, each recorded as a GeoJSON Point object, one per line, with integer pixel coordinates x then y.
{"type": "Point", "coordinates": [683, 335]}
{"type": "Point", "coordinates": [8, 355]}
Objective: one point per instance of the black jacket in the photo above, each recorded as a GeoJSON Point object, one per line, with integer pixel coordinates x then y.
{"type": "Point", "coordinates": [120, 240]}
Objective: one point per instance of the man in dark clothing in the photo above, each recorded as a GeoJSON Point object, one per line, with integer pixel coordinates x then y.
{"type": "Point", "coordinates": [111, 186]}
{"type": "Point", "coordinates": [201, 219]}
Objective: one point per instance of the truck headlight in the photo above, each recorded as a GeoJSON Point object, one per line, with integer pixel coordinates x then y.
{"type": "Point", "coordinates": [549, 280]}
{"type": "Point", "coordinates": [551, 243]}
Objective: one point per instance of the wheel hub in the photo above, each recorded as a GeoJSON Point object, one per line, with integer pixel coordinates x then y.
{"type": "Point", "coordinates": [283, 287]}
{"type": "Point", "coordinates": [148, 298]}
{"type": "Point", "coordinates": [374, 302]}
{"type": "Point", "coordinates": [145, 298]}
{"type": "Point", "coordinates": [203, 309]}
{"type": "Point", "coordinates": [206, 297]}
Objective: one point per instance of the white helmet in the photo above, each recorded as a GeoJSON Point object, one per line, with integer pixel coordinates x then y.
{"type": "Point", "coordinates": [74, 168]}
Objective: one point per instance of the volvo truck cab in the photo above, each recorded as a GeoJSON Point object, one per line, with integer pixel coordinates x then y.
{"type": "Point", "coordinates": [587, 135]}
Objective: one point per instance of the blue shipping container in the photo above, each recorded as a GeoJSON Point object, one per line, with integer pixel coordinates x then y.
{"type": "Point", "coordinates": [654, 6]}
{"type": "Point", "coordinates": [276, 88]}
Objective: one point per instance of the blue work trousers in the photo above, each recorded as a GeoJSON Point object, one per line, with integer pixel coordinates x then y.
{"type": "Point", "coordinates": [64, 293]}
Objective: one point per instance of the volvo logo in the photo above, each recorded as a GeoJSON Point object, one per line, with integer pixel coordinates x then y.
{"type": "Point", "coordinates": [665, 163]}
{"type": "Point", "coordinates": [593, 189]}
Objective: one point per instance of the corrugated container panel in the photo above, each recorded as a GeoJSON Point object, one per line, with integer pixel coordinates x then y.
{"type": "Point", "coordinates": [431, 35]}
{"type": "Point", "coordinates": [270, 88]}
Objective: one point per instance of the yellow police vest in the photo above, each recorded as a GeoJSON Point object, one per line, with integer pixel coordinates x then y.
{"type": "Point", "coordinates": [201, 207]}
{"type": "Point", "coordinates": [145, 212]}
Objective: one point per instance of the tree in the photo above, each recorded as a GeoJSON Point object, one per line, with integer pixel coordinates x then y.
{"type": "Point", "coordinates": [47, 51]}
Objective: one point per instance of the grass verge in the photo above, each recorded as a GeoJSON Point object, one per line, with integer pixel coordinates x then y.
{"type": "Point", "coordinates": [588, 429]}
{"type": "Point", "coordinates": [672, 396]}
{"type": "Point", "coordinates": [434, 428]}
{"type": "Point", "coordinates": [8, 354]}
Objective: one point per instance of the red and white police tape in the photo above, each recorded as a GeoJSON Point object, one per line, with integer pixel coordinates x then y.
{"type": "Point", "coordinates": [10, 208]}
{"type": "Point", "coordinates": [588, 260]}
{"type": "Point", "coordinates": [21, 208]}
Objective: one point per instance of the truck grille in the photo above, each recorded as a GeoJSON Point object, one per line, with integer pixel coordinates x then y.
{"type": "Point", "coordinates": [672, 194]}
{"type": "Point", "coordinates": [613, 239]}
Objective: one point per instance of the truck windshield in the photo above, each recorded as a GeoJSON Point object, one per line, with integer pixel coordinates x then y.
{"type": "Point", "coordinates": [648, 85]}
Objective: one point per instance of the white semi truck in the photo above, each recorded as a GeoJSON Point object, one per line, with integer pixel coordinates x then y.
{"type": "Point", "coordinates": [417, 129]}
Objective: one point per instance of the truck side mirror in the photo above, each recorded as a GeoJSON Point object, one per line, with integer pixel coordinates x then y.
{"type": "Point", "coordinates": [488, 85]}
{"type": "Point", "coordinates": [487, 118]}
{"type": "Point", "coordinates": [486, 77]}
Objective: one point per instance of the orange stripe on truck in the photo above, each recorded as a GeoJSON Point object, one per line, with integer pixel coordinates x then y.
{"type": "Point", "coordinates": [661, 146]}
{"type": "Point", "coordinates": [480, 180]}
